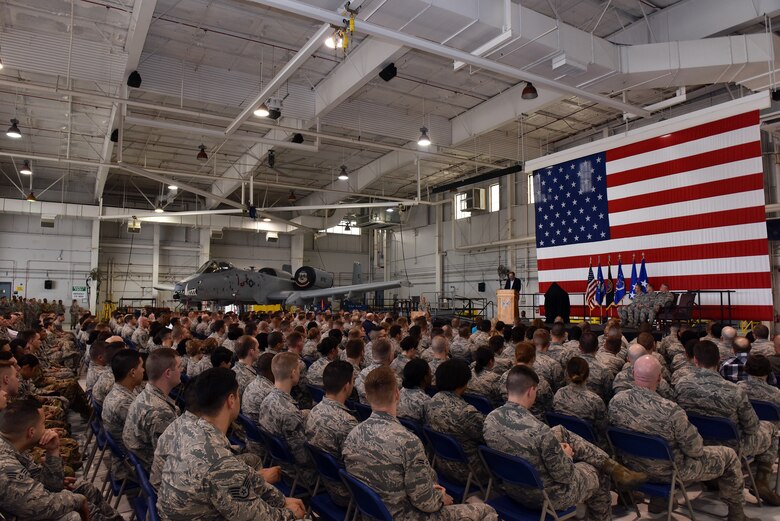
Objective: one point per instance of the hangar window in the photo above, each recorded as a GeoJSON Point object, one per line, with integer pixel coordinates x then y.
{"type": "Point", "coordinates": [495, 197]}
{"type": "Point", "coordinates": [460, 204]}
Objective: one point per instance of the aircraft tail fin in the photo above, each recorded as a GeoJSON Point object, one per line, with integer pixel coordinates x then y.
{"type": "Point", "coordinates": [357, 273]}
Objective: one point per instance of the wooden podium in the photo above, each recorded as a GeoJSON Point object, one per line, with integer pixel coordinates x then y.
{"type": "Point", "coordinates": [507, 305]}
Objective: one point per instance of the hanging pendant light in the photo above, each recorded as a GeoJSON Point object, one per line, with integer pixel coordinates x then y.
{"type": "Point", "coordinates": [343, 176]}
{"type": "Point", "coordinates": [31, 198]}
{"type": "Point", "coordinates": [292, 198]}
{"type": "Point", "coordinates": [26, 170]}
{"type": "Point", "coordinates": [529, 91]}
{"type": "Point", "coordinates": [424, 140]}
{"type": "Point", "coordinates": [262, 111]}
{"type": "Point", "coordinates": [159, 208]}
{"type": "Point", "coordinates": [13, 130]}
{"type": "Point", "coordinates": [202, 155]}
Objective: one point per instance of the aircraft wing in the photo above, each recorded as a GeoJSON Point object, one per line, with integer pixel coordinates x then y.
{"type": "Point", "coordinates": [297, 298]}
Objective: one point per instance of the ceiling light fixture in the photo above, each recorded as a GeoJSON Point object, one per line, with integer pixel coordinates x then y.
{"type": "Point", "coordinates": [335, 40]}
{"type": "Point", "coordinates": [262, 111]}
{"type": "Point", "coordinates": [173, 188]}
{"type": "Point", "coordinates": [13, 130]}
{"type": "Point", "coordinates": [389, 210]}
{"type": "Point", "coordinates": [424, 140]}
{"type": "Point", "coordinates": [347, 227]}
{"type": "Point", "coordinates": [266, 219]}
{"type": "Point", "coordinates": [529, 91]}
{"type": "Point", "coordinates": [202, 155]}
{"type": "Point", "coordinates": [1, 64]}
{"type": "Point", "coordinates": [292, 198]}
{"type": "Point", "coordinates": [159, 208]}
{"type": "Point", "coordinates": [31, 198]}
{"type": "Point", "coordinates": [343, 176]}
{"type": "Point", "coordinates": [26, 170]}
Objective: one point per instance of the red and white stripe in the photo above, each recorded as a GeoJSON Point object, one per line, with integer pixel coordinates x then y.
{"type": "Point", "coordinates": [693, 202]}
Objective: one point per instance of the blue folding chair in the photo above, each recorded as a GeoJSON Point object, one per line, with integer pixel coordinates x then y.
{"type": "Point", "coordinates": [447, 447]}
{"type": "Point", "coordinates": [254, 435]}
{"type": "Point", "coordinates": [513, 470]}
{"type": "Point", "coordinates": [416, 428]}
{"type": "Point", "coordinates": [638, 445]}
{"type": "Point", "coordinates": [328, 469]}
{"type": "Point", "coordinates": [363, 411]}
{"type": "Point", "coordinates": [767, 411]}
{"type": "Point", "coordinates": [130, 344]}
{"type": "Point", "coordinates": [582, 428]}
{"type": "Point", "coordinates": [317, 393]}
{"type": "Point", "coordinates": [368, 502]}
{"type": "Point", "coordinates": [724, 431]}
{"type": "Point", "coordinates": [145, 504]}
{"type": "Point", "coordinates": [479, 402]}
{"type": "Point", "coordinates": [280, 453]}
{"type": "Point", "coordinates": [113, 485]}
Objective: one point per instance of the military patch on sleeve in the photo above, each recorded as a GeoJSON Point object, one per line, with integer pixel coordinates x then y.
{"type": "Point", "coordinates": [242, 491]}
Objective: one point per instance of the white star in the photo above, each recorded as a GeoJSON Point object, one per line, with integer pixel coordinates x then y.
{"type": "Point", "coordinates": [541, 226]}
{"type": "Point", "coordinates": [565, 239]}
{"type": "Point", "coordinates": [556, 197]}
{"type": "Point", "coordinates": [567, 176]}
{"type": "Point", "coordinates": [594, 208]}
{"type": "Point", "coordinates": [549, 190]}
{"type": "Point", "coordinates": [557, 215]}
{"type": "Point", "coordinates": [587, 218]}
{"type": "Point", "coordinates": [599, 196]}
{"type": "Point", "coordinates": [582, 228]}
{"type": "Point", "coordinates": [574, 184]}
{"type": "Point", "coordinates": [589, 236]}
{"type": "Point", "coordinates": [560, 169]}
{"type": "Point", "coordinates": [557, 232]}
{"type": "Point", "coordinates": [546, 234]}
{"type": "Point", "coordinates": [587, 199]}
{"type": "Point", "coordinates": [598, 178]}
{"type": "Point", "coordinates": [569, 230]}
{"type": "Point", "coordinates": [563, 222]}
{"type": "Point", "coordinates": [575, 220]}
{"type": "Point", "coordinates": [595, 226]}
{"type": "Point", "coordinates": [546, 217]}
{"type": "Point", "coordinates": [568, 194]}
{"type": "Point", "coordinates": [574, 202]}
{"type": "Point", "coordinates": [601, 216]}
{"type": "Point", "coordinates": [603, 234]}
{"type": "Point", "coordinates": [563, 204]}
{"type": "Point", "coordinates": [598, 159]}
{"type": "Point", "coordinates": [568, 212]}
{"type": "Point", "coordinates": [552, 241]}
{"type": "Point", "coordinates": [577, 238]}
{"type": "Point", "coordinates": [572, 166]}
{"type": "Point", "coordinates": [582, 210]}
{"type": "Point", "coordinates": [544, 182]}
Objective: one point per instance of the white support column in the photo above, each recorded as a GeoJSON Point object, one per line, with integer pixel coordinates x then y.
{"type": "Point", "coordinates": [94, 250]}
{"type": "Point", "coordinates": [440, 253]}
{"type": "Point", "coordinates": [296, 251]}
{"type": "Point", "coordinates": [205, 246]}
{"type": "Point", "coordinates": [155, 260]}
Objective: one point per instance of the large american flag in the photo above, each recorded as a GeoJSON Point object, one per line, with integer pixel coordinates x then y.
{"type": "Point", "coordinates": [691, 201]}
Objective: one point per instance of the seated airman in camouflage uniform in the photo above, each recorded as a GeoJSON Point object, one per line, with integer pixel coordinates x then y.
{"type": "Point", "coordinates": [247, 350]}
{"type": "Point", "coordinates": [413, 399]}
{"type": "Point", "coordinates": [330, 421]}
{"type": "Point", "coordinates": [281, 417]}
{"type": "Point", "coordinates": [525, 354]}
{"type": "Point", "coordinates": [202, 478]}
{"type": "Point", "coordinates": [756, 387]}
{"type": "Point", "coordinates": [327, 351]}
{"type": "Point", "coordinates": [558, 349]}
{"type": "Point", "coordinates": [258, 389]}
{"type": "Point", "coordinates": [577, 400]}
{"type": "Point", "coordinates": [762, 345]}
{"type": "Point", "coordinates": [571, 469]}
{"type": "Point", "coordinates": [408, 348]}
{"type": "Point", "coordinates": [384, 455]}
{"type": "Point", "coordinates": [153, 410]}
{"type": "Point", "coordinates": [625, 378]}
{"type": "Point", "coordinates": [642, 409]}
{"type": "Point", "coordinates": [128, 370]}
{"type": "Point", "coordinates": [630, 313]}
{"type": "Point", "coordinates": [545, 365]}
{"type": "Point", "coordinates": [40, 492]}
{"type": "Point", "coordinates": [600, 379]}
{"type": "Point", "coordinates": [483, 380]}
{"type": "Point", "coordinates": [707, 393]}
{"type": "Point", "coordinates": [657, 300]}
{"type": "Point", "coordinates": [447, 412]}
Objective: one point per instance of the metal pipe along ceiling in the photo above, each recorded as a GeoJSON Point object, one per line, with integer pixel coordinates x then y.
{"type": "Point", "coordinates": [316, 13]}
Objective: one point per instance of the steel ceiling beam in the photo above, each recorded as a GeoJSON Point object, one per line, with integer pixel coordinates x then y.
{"type": "Point", "coordinates": [323, 15]}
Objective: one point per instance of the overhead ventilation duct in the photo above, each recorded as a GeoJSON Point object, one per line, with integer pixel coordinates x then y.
{"type": "Point", "coordinates": [378, 220]}
{"type": "Point", "coordinates": [216, 234]}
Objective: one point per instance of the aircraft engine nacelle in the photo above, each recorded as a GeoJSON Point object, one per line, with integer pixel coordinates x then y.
{"type": "Point", "coordinates": [276, 273]}
{"type": "Point", "coordinates": [307, 277]}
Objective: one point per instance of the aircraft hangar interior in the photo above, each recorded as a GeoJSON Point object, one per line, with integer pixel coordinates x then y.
{"type": "Point", "coordinates": [148, 137]}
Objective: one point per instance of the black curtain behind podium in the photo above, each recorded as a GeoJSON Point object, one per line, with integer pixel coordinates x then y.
{"type": "Point", "coordinates": [556, 304]}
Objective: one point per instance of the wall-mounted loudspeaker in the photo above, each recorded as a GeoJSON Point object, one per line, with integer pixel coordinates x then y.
{"type": "Point", "coordinates": [48, 284]}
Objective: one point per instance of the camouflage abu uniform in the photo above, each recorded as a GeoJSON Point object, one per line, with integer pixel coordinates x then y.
{"type": "Point", "coordinates": [115, 408]}
{"type": "Point", "coordinates": [245, 375]}
{"type": "Point", "coordinates": [327, 426]}
{"type": "Point", "coordinates": [485, 383]}
{"type": "Point", "coordinates": [552, 371]}
{"type": "Point", "coordinates": [600, 379]}
{"type": "Point", "coordinates": [202, 479]}
{"type": "Point", "coordinates": [413, 403]}
{"type": "Point", "coordinates": [314, 374]}
{"type": "Point", "coordinates": [391, 460]}
{"type": "Point", "coordinates": [544, 396]}
{"type": "Point", "coordinates": [255, 393]}
{"type": "Point", "coordinates": [103, 386]}
{"type": "Point", "coordinates": [562, 353]}
{"type": "Point", "coordinates": [281, 417]}
{"type": "Point", "coordinates": [94, 373]}
{"type": "Point", "coordinates": [32, 491]}
{"type": "Point", "coordinates": [449, 413]}
{"type": "Point", "coordinates": [165, 445]}
{"type": "Point", "coordinates": [514, 430]}
{"type": "Point", "coordinates": [147, 418]}
{"type": "Point", "coordinates": [398, 365]}
{"type": "Point", "coordinates": [642, 410]}
{"type": "Point", "coordinates": [577, 400]}
{"type": "Point", "coordinates": [758, 389]}
{"type": "Point", "coordinates": [705, 392]}
{"type": "Point", "coordinates": [625, 380]}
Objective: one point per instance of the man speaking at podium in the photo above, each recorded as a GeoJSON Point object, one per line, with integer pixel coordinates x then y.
{"type": "Point", "coordinates": [512, 282]}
